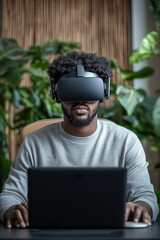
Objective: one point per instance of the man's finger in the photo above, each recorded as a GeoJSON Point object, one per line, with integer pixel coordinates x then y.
{"type": "Point", "coordinates": [127, 213]}
{"type": "Point", "coordinates": [137, 213]}
{"type": "Point", "coordinates": [9, 223]}
{"type": "Point", "coordinates": [146, 218]}
{"type": "Point", "coordinates": [24, 212]}
{"type": "Point", "coordinates": [19, 218]}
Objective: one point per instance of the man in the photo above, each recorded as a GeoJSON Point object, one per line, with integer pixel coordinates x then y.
{"type": "Point", "coordinates": [80, 81]}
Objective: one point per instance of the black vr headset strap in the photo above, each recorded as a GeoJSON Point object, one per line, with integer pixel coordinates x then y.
{"type": "Point", "coordinates": [107, 87]}
{"type": "Point", "coordinates": [80, 68]}
{"type": "Point", "coordinates": [53, 90]}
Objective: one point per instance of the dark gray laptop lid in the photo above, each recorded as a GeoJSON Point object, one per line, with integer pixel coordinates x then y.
{"type": "Point", "coordinates": [76, 197]}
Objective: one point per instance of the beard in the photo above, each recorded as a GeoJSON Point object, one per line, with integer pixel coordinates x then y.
{"type": "Point", "coordinates": [79, 123]}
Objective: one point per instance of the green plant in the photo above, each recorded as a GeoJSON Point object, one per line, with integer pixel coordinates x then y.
{"type": "Point", "coordinates": [134, 108]}
{"type": "Point", "coordinates": [32, 102]}
{"type": "Point", "coordinates": [12, 58]}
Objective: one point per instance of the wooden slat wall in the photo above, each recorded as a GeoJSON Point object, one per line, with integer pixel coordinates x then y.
{"type": "Point", "coordinates": [101, 26]}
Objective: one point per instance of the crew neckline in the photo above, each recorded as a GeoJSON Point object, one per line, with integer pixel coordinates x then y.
{"type": "Point", "coordinates": [80, 139]}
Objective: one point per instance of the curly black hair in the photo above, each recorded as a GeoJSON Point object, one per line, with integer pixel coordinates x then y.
{"type": "Point", "coordinates": [67, 64]}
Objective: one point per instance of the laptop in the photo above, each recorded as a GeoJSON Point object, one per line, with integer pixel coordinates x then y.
{"type": "Point", "coordinates": [76, 198]}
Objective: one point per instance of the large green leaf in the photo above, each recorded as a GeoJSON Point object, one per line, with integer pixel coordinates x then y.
{"type": "Point", "coordinates": [147, 48]}
{"type": "Point", "coordinates": [156, 117]}
{"type": "Point", "coordinates": [129, 98]}
{"type": "Point", "coordinates": [13, 77]}
{"type": "Point", "coordinates": [148, 44]}
{"type": "Point", "coordinates": [11, 56]}
{"type": "Point", "coordinates": [145, 72]}
{"type": "Point", "coordinates": [10, 64]}
{"type": "Point", "coordinates": [9, 47]}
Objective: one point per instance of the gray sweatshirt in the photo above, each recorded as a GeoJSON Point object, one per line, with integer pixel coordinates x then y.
{"type": "Point", "coordinates": [110, 146]}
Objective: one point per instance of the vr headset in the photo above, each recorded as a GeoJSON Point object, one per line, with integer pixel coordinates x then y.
{"type": "Point", "coordinates": [80, 86]}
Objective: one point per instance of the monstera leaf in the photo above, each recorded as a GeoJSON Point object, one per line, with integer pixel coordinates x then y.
{"type": "Point", "coordinates": [11, 56]}
{"type": "Point", "coordinates": [147, 48]}
{"type": "Point", "coordinates": [129, 98]}
{"type": "Point", "coordinates": [130, 75]}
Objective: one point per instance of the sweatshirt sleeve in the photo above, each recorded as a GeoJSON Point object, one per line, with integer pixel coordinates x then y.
{"type": "Point", "coordinates": [15, 187]}
{"type": "Point", "coordinates": [139, 186]}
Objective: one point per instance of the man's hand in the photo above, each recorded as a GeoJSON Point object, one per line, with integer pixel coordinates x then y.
{"type": "Point", "coordinates": [17, 216]}
{"type": "Point", "coordinates": [138, 211]}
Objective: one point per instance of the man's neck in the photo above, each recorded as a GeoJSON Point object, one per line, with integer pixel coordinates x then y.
{"type": "Point", "coordinates": [82, 131]}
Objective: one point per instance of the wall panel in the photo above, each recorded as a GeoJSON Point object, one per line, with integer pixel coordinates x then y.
{"type": "Point", "coordinates": [101, 26]}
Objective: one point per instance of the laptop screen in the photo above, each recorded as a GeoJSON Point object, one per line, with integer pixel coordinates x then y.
{"type": "Point", "coordinates": [76, 197]}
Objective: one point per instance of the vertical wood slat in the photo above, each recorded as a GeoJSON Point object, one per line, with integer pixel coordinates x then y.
{"type": "Point", "coordinates": [101, 26]}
